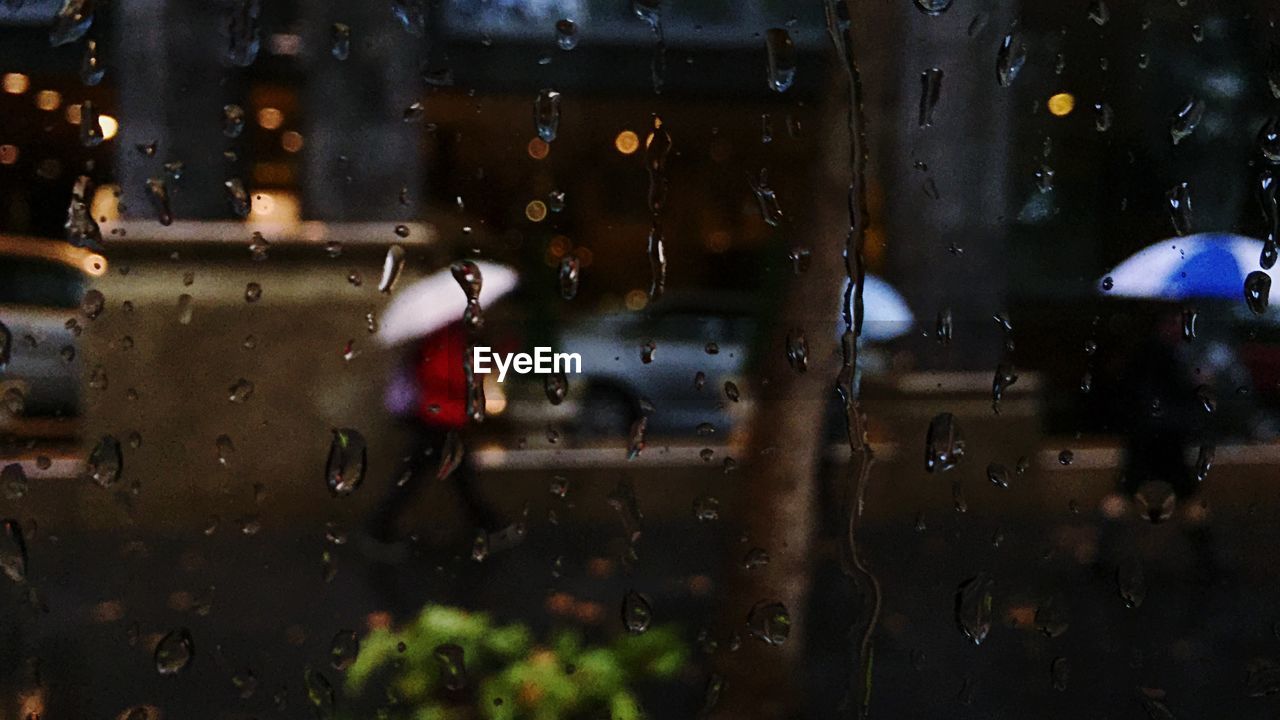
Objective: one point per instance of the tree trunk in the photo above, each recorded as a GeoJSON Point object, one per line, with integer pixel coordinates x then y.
{"type": "Point", "coordinates": [788, 436]}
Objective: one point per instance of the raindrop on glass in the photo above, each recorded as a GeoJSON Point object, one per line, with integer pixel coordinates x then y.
{"type": "Point", "coordinates": [1131, 582]}
{"type": "Point", "coordinates": [1204, 462]}
{"type": "Point", "coordinates": [556, 386]}
{"type": "Point", "coordinates": [944, 443]}
{"type": "Point", "coordinates": [570, 270]}
{"type": "Point", "coordinates": [232, 120]}
{"type": "Point", "coordinates": [766, 198]}
{"type": "Point", "coordinates": [1269, 139]}
{"type": "Point", "coordinates": [1103, 117]}
{"type": "Point", "coordinates": [546, 114]}
{"type": "Point", "coordinates": [340, 41]}
{"type": "Point", "coordinates": [412, 15]}
{"type": "Point", "coordinates": [240, 392]}
{"type": "Point", "coordinates": [1011, 57]}
{"type": "Point", "coordinates": [974, 607]}
{"type": "Point", "coordinates": [106, 462]}
{"type": "Point", "coordinates": [158, 195]}
{"type": "Point", "coordinates": [392, 266]}
{"type": "Point", "coordinates": [1005, 378]}
{"type": "Point", "coordinates": [91, 134]}
{"type": "Point", "coordinates": [930, 92]}
{"type": "Point", "coordinates": [781, 52]}
{"type": "Point", "coordinates": [185, 309]}
{"type": "Point", "coordinates": [706, 509]}
{"type": "Point", "coordinates": [71, 23]}
{"type": "Point", "coordinates": [1257, 291]}
{"type": "Point", "coordinates": [755, 558]}
{"type": "Point", "coordinates": [13, 481]}
{"type": "Point", "coordinates": [258, 247]}
{"type": "Point", "coordinates": [944, 327]}
{"type": "Point", "coordinates": [343, 649]}
{"type": "Point", "coordinates": [244, 38]}
{"type": "Point", "coordinates": [225, 449]}
{"type": "Point", "coordinates": [1099, 13]}
{"type": "Point", "coordinates": [237, 197]}
{"type": "Point", "coordinates": [797, 351]}
{"type": "Point", "coordinates": [933, 7]}
{"type": "Point", "coordinates": [637, 613]}
{"type": "Point", "coordinates": [566, 34]}
{"type": "Point", "coordinates": [320, 693]}
{"type": "Point", "coordinates": [91, 69]}
{"type": "Point", "coordinates": [174, 652]}
{"type": "Point", "coordinates": [1186, 120]}
{"type": "Point", "coordinates": [1060, 673]}
{"type": "Point", "coordinates": [467, 274]}
{"type": "Point", "coordinates": [92, 304]}
{"type": "Point", "coordinates": [1179, 199]}
{"type": "Point", "coordinates": [452, 663]}
{"type": "Point", "coordinates": [13, 549]}
{"type": "Point", "coordinates": [998, 474]}
{"type": "Point", "coordinates": [6, 345]}
{"type": "Point", "coordinates": [769, 622]}
{"type": "Point", "coordinates": [348, 457]}
{"type": "Point", "coordinates": [635, 438]}
{"type": "Point", "coordinates": [82, 229]}
{"type": "Point", "coordinates": [1190, 318]}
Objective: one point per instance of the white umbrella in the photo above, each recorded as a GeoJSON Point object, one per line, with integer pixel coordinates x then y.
{"type": "Point", "coordinates": [885, 313]}
{"type": "Point", "coordinates": [437, 300]}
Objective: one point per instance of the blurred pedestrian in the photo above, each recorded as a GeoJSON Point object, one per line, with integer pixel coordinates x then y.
{"type": "Point", "coordinates": [429, 393]}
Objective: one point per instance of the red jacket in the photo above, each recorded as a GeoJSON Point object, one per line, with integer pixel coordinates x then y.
{"type": "Point", "coordinates": [442, 381]}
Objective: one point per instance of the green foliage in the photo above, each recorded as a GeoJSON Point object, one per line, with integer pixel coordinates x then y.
{"type": "Point", "coordinates": [509, 675]}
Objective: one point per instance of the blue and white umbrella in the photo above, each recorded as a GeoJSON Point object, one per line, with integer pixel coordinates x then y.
{"type": "Point", "coordinates": [885, 314]}
{"type": "Point", "coordinates": [1207, 266]}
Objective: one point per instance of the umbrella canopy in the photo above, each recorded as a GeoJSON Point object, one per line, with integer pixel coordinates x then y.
{"type": "Point", "coordinates": [437, 301]}
{"type": "Point", "coordinates": [1210, 265]}
{"type": "Point", "coordinates": [885, 313]}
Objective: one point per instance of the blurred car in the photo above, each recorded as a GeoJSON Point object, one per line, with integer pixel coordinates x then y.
{"type": "Point", "coordinates": [671, 364]}
{"type": "Point", "coordinates": [41, 287]}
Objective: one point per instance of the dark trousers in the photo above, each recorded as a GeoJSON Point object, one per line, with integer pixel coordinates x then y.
{"type": "Point", "coordinates": [435, 455]}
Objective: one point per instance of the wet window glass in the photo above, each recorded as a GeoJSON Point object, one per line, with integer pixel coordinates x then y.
{"type": "Point", "coordinates": [529, 359]}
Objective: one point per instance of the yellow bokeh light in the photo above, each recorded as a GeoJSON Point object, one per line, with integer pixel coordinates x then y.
{"type": "Point", "coordinates": [536, 210]}
{"type": "Point", "coordinates": [48, 99]}
{"type": "Point", "coordinates": [72, 113]}
{"type": "Point", "coordinates": [276, 207]}
{"type": "Point", "coordinates": [110, 126]}
{"type": "Point", "coordinates": [718, 241]}
{"type": "Point", "coordinates": [1062, 104]}
{"type": "Point", "coordinates": [270, 118]}
{"type": "Point", "coordinates": [627, 142]}
{"type": "Point", "coordinates": [16, 83]}
{"type": "Point", "coordinates": [636, 300]}
{"type": "Point", "coordinates": [291, 141]}
{"type": "Point", "coordinates": [8, 154]}
{"type": "Point", "coordinates": [558, 246]}
{"type": "Point", "coordinates": [105, 205]}
{"type": "Point", "coordinates": [263, 204]}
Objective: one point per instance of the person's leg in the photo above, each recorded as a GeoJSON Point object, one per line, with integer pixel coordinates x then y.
{"type": "Point", "coordinates": [479, 510]}
{"type": "Point", "coordinates": [407, 483]}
